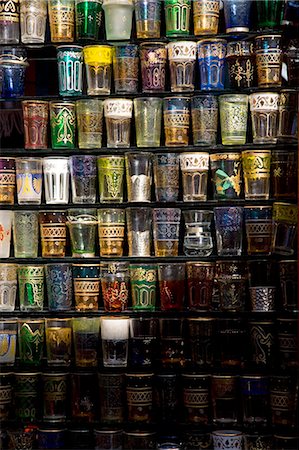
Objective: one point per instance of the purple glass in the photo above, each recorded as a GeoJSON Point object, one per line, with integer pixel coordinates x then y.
{"type": "Point", "coordinates": [153, 58]}
{"type": "Point", "coordinates": [83, 178]}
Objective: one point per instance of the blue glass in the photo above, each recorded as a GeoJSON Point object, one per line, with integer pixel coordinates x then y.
{"type": "Point", "coordinates": [125, 50]}
{"type": "Point", "coordinates": [59, 286]}
{"type": "Point", "coordinates": [254, 385]}
{"type": "Point", "coordinates": [12, 78]}
{"type": "Point", "coordinates": [237, 15]}
{"type": "Point", "coordinates": [50, 439]}
{"type": "Point", "coordinates": [85, 271]}
{"type": "Point", "coordinates": [176, 104]}
{"type": "Point", "coordinates": [211, 60]}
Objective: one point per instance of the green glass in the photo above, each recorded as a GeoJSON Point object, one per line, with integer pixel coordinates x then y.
{"type": "Point", "coordinates": [177, 17]}
{"type": "Point", "coordinates": [111, 178]}
{"type": "Point", "coordinates": [27, 391]}
{"type": "Point", "coordinates": [63, 124]}
{"type": "Point", "coordinates": [88, 19]}
{"type": "Point", "coordinates": [269, 13]}
{"type": "Point", "coordinates": [31, 287]}
{"type": "Point", "coordinates": [31, 335]}
{"type": "Point", "coordinates": [143, 286]}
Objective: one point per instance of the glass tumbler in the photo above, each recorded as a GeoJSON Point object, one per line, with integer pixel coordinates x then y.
{"type": "Point", "coordinates": [8, 287]}
{"type": "Point", "coordinates": [125, 68]}
{"type": "Point", "coordinates": [54, 396]}
{"type": "Point", "coordinates": [86, 336]}
{"type": "Point", "coordinates": [59, 342]}
{"type": "Point", "coordinates": [198, 239]}
{"type": "Point", "coordinates": [233, 118]}
{"type": "Point", "coordinates": [86, 280]}
{"type": "Point", "coordinates": [56, 180]}
{"type": "Point", "coordinates": [182, 57]}
{"type": "Point", "coordinates": [229, 230]}
{"type": "Point", "coordinates": [240, 59]}
{"type": "Point", "coordinates": [258, 225]}
{"type": "Point", "coordinates": [31, 336]}
{"type": "Point", "coordinates": [118, 30]}
{"type": "Point", "coordinates": [70, 70]}
{"type": "Point", "coordinates": [12, 72]}
{"type": "Point", "coordinates": [111, 178]}
{"type": "Point", "coordinates": [176, 114]}
{"type": "Point", "coordinates": [29, 180]}
{"type": "Point", "coordinates": [143, 286]}
{"type": "Point", "coordinates": [33, 18]}
{"type": "Point", "coordinates": [53, 233]}
{"type": "Point", "coordinates": [153, 57]}
{"type": "Point", "coordinates": [148, 19]}
{"type": "Point", "coordinates": [88, 19]}
{"type": "Point", "coordinates": [82, 225]}
{"type": "Point", "coordinates": [90, 123]}
{"type": "Point", "coordinates": [118, 116]}
{"type": "Point", "coordinates": [172, 345]}
{"type": "Point", "coordinates": [211, 60]}
{"type": "Point", "coordinates": [227, 438]}
{"type": "Point", "coordinates": [226, 171]}
{"type": "Point", "coordinates": [115, 286]}
{"type": "Point", "coordinates": [205, 17]}
{"type": "Point", "coordinates": [201, 334]}
{"type": "Point", "coordinates": [224, 390]}
{"type": "Point", "coordinates": [237, 15]}
{"type": "Point", "coordinates": [172, 286]}
{"type": "Point", "coordinates": [177, 17]}
{"type": "Point", "coordinates": [6, 219]}
{"type": "Point", "coordinates": [7, 180]}
{"type": "Point", "coordinates": [35, 116]}
{"type": "Point", "coordinates": [9, 22]}
{"type": "Point", "coordinates": [268, 55]}
{"type": "Point", "coordinates": [166, 227]}
{"type": "Point", "coordinates": [269, 14]}
{"type": "Point", "coordinates": [148, 116]}
{"type": "Point", "coordinates": [143, 342]}
{"type": "Point", "coordinates": [288, 284]}
{"type": "Point", "coordinates": [111, 389]}
{"type": "Point", "coordinates": [139, 176]}
{"type": "Point", "coordinates": [196, 398]}
{"type": "Point", "coordinates": [115, 339]}
{"type": "Point", "coordinates": [166, 176]}
{"type": "Point", "coordinates": [194, 167]}
{"type": "Point", "coordinates": [25, 224]}
{"type": "Point", "coordinates": [139, 393]}
{"type": "Point", "coordinates": [62, 20]}
{"type": "Point", "coordinates": [98, 65]}
{"type": "Point", "coordinates": [204, 112]}
{"type": "Point", "coordinates": [8, 339]}
{"type": "Point", "coordinates": [264, 107]}
{"type": "Point", "coordinates": [111, 223]}
{"type": "Point", "coordinates": [139, 231]}
{"type": "Point", "coordinates": [63, 125]}
{"type": "Point", "coordinates": [108, 438]}
{"type": "Point", "coordinates": [288, 116]}
{"type": "Point", "coordinates": [83, 171]}
{"type": "Point", "coordinates": [31, 287]}
{"type": "Point", "coordinates": [256, 171]}
{"type": "Point", "coordinates": [59, 282]}
{"type": "Point", "coordinates": [285, 219]}
{"type": "Point", "coordinates": [200, 283]}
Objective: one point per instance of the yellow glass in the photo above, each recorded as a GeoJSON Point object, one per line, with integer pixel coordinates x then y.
{"type": "Point", "coordinates": [206, 16]}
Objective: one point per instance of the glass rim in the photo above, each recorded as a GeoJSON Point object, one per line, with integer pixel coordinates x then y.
{"type": "Point", "coordinates": [27, 373]}
{"type": "Point", "coordinates": [114, 318]}
{"type": "Point", "coordinates": [196, 375]}
{"type": "Point", "coordinates": [98, 46]}
{"type": "Point", "coordinates": [140, 433]}
{"type": "Point", "coordinates": [26, 102]}
{"type": "Point", "coordinates": [211, 39]}
{"type": "Point", "coordinates": [139, 374]}
{"type": "Point", "coordinates": [224, 376]}
{"type": "Point", "coordinates": [255, 377]}
{"type": "Point", "coordinates": [51, 430]}
{"type": "Point", "coordinates": [28, 319]}
{"type": "Point", "coordinates": [30, 158]}
{"type": "Point", "coordinates": [274, 35]}
{"type": "Point", "coordinates": [200, 263]}
{"type": "Point", "coordinates": [228, 433]}
{"type": "Point", "coordinates": [162, 44]}
{"type": "Point", "coordinates": [69, 46]}
{"type": "Point", "coordinates": [139, 153]}
{"type": "Point", "coordinates": [12, 321]}
{"type": "Point", "coordinates": [54, 319]}
{"type": "Point", "coordinates": [107, 431]}
{"type": "Point", "coordinates": [62, 102]}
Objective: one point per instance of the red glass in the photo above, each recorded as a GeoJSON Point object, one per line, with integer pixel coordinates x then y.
{"type": "Point", "coordinates": [172, 286]}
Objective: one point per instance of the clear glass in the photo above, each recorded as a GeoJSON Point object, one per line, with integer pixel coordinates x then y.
{"type": "Point", "coordinates": [200, 285]}
{"type": "Point", "coordinates": [83, 170]}
{"type": "Point", "coordinates": [176, 115]}
{"type": "Point", "coordinates": [256, 173]}
{"type": "Point", "coordinates": [86, 281]}
{"type": "Point", "coordinates": [118, 116]}
{"type": "Point", "coordinates": [255, 399]}
{"type": "Point", "coordinates": [198, 239]}
{"type": "Point", "coordinates": [148, 116]}
{"type": "Point", "coordinates": [194, 167]}
{"type": "Point", "coordinates": [233, 118]}
{"type": "Point", "coordinates": [143, 342]}
{"type": "Point", "coordinates": [118, 19]}
{"type": "Point", "coordinates": [29, 180]}
{"type": "Point", "coordinates": [86, 331]}
{"type": "Point", "coordinates": [25, 224]}
{"type": "Point", "coordinates": [6, 218]}
{"type": "Point", "coordinates": [139, 176]}
{"type": "Point", "coordinates": [224, 390]}
{"type": "Point", "coordinates": [9, 22]}
{"type": "Point", "coordinates": [148, 18]}
{"type": "Point", "coordinates": [59, 341]}
{"type": "Point", "coordinates": [182, 58]}
{"type": "Point", "coordinates": [258, 225]}
{"type": "Point", "coordinates": [90, 123]}
{"type": "Point", "coordinates": [98, 66]}
{"type": "Point", "coordinates": [111, 178]}
{"type": "Point", "coordinates": [56, 180]}
{"type": "Point", "coordinates": [166, 176]}
{"type": "Point", "coordinates": [31, 287]}
{"type": "Point", "coordinates": [171, 286]}
{"type": "Point", "coordinates": [229, 230]}
{"type": "Point", "coordinates": [125, 68]}
{"type": "Point", "coordinates": [8, 286]}
{"type": "Point", "coordinates": [111, 224]}
{"type": "Point", "coordinates": [264, 107]}
{"type": "Point", "coordinates": [285, 219]}
{"type": "Point", "coordinates": [139, 231]}
{"type": "Point", "coordinates": [115, 338]}
{"type": "Point", "coordinates": [205, 17]}
{"type": "Point", "coordinates": [115, 285]}
{"type": "Point", "coordinates": [62, 20]}
{"type": "Point", "coordinates": [8, 339]}
{"type": "Point", "coordinates": [204, 113]}
{"type": "Point", "coordinates": [231, 279]}
{"type": "Point", "coordinates": [82, 225]}
{"type": "Point", "coordinates": [166, 227]}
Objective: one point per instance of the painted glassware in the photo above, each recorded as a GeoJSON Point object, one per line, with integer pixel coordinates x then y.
{"type": "Point", "coordinates": [240, 58]}
{"type": "Point", "coordinates": [172, 345]}
{"type": "Point", "coordinates": [139, 231]}
{"type": "Point", "coordinates": [6, 218]}
{"type": "Point", "coordinates": [143, 342]}
{"type": "Point", "coordinates": [49, 438]}
{"type": "Point", "coordinates": [83, 171]}
{"type": "Point", "coordinates": [59, 283]}
{"type": "Point", "coordinates": [82, 224]}
{"type": "Point", "coordinates": [224, 390]}
{"type": "Point", "coordinates": [176, 113]}
{"type": "Point", "coordinates": [86, 331]}
{"type": "Point", "coordinates": [204, 112]}
{"type": "Point", "coordinates": [285, 219]}
{"type": "Point", "coordinates": [263, 352]}
{"type": "Point", "coordinates": [90, 123]}
{"type": "Point", "coordinates": [31, 287]}
{"type": "Point", "coordinates": [258, 225]}
{"type": "Point", "coordinates": [237, 15]}
{"type": "Point", "coordinates": [59, 342]}
{"type": "Point", "coordinates": [198, 239]}
{"type": "Point", "coordinates": [7, 180]}
{"type": "Point", "coordinates": [115, 286]}
{"type": "Point", "coordinates": [233, 118]}
{"type": "Point", "coordinates": [148, 114]}
{"type": "Point", "coordinates": [283, 174]}
{"type": "Point", "coordinates": [125, 68]}
{"type": "Point", "coordinates": [287, 333]}
{"type": "Point", "coordinates": [18, 439]}
{"type": "Point", "coordinates": [255, 399]}
{"type": "Point", "coordinates": [27, 385]}
{"type": "Point", "coordinates": [88, 19]}
{"type": "Point", "coordinates": [54, 388]}
{"type": "Point", "coordinates": [140, 439]}
{"type": "Point", "coordinates": [153, 57]}
{"type": "Point", "coordinates": [166, 225]}
{"type": "Point", "coordinates": [56, 180]}
{"type": "Point", "coordinates": [288, 285]}
{"type": "Point", "coordinates": [63, 124]}
{"type": "Point", "coordinates": [36, 115]}
{"type": "Point", "coordinates": [256, 172]}
{"type": "Point", "coordinates": [206, 16]}
{"type": "Point", "coordinates": [111, 177]}
{"type": "Point", "coordinates": [225, 439]}
{"type": "Point", "coordinates": [229, 230]}
{"type": "Point", "coordinates": [6, 385]}
{"type": "Point", "coordinates": [177, 17]}
{"type": "Point", "coordinates": [194, 167]}
{"type": "Point", "coordinates": [171, 286]}
{"type": "Point", "coordinates": [200, 281]}
{"type": "Point", "coordinates": [70, 70]}
{"type": "Point", "coordinates": [25, 223]}
{"type": "Point", "coordinates": [84, 402]}
{"type": "Point", "coordinates": [262, 298]}
{"type": "Point", "coordinates": [288, 116]}
{"type": "Point", "coordinates": [143, 286]}
{"type": "Point", "coordinates": [29, 180]}
{"type": "Point", "coordinates": [115, 340]}
{"type": "Point", "coordinates": [53, 233]}
{"type": "Point", "coordinates": [31, 335]}
{"type": "Point", "coordinates": [86, 279]}
{"type": "Point", "coordinates": [264, 108]}
{"type": "Point", "coordinates": [226, 171]}
{"type": "Point", "coordinates": [166, 389]}
{"type": "Point", "coordinates": [8, 342]}
{"type": "Point", "coordinates": [108, 438]}
{"type": "Point", "coordinates": [118, 116]}
{"type": "Point", "coordinates": [269, 14]}
{"type": "Point", "coordinates": [62, 20]}
{"type": "Point", "coordinates": [112, 405]}
{"type": "Point", "coordinates": [231, 277]}
{"type": "Point", "coordinates": [139, 394]}
{"type": "Point", "coordinates": [182, 57]}
{"type": "Point", "coordinates": [111, 227]}
{"type": "Point", "coordinates": [8, 286]}
{"type": "Point", "coordinates": [166, 176]}
{"type": "Point", "coordinates": [148, 18]}
{"type": "Point", "coordinates": [98, 66]}
{"type": "Point", "coordinates": [268, 60]}
{"type": "Point", "coordinates": [196, 398]}
{"type": "Point", "coordinates": [13, 67]}
{"type": "Point", "coordinates": [139, 176]}
{"type": "Point", "coordinates": [117, 29]}
{"type": "Point", "coordinates": [292, 53]}
{"type": "Point", "coordinates": [211, 59]}
{"type": "Point", "coordinates": [9, 22]}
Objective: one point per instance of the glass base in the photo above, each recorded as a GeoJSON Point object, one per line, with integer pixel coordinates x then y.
{"type": "Point", "coordinates": [83, 255]}
{"type": "Point", "coordinates": [98, 91]}
{"type": "Point", "coordinates": [237, 30]}
{"type": "Point", "coordinates": [256, 196]}
{"type": "Point", "coordinates": [265, 140]}
{"type": "Point", "coordinates": [56, 202]}
{"type": "Point", "coordinates": [121, 145]}
{"type": "Point", "coordinates": [234, 141]}
{"type": "Point", "coordinates": [182, 88]}
{"type": "Point", "coordinates": [29, 202]}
